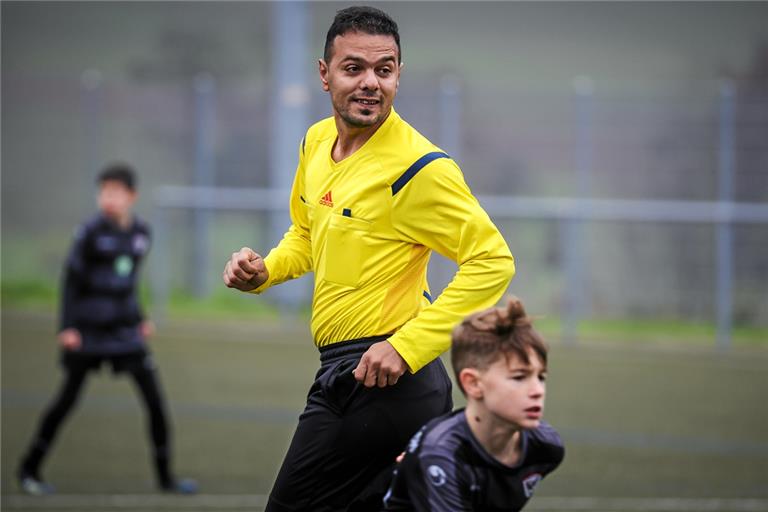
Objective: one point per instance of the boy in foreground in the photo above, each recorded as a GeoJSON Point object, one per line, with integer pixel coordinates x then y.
{"type": "Point", "coordinates": [490, 455]}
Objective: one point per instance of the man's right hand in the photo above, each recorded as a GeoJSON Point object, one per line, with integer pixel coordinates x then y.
{"type": "Point", "coordinates": [70, 339]}
{"type": "Point", "coordinates": [245, 270]}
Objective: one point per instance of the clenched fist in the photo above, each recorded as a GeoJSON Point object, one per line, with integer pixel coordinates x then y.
{"type": "Point", "coordinates": [245, 270]}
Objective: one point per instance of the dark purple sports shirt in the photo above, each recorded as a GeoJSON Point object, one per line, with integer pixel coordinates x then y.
{"type": "Point", "coordinates": [445, 469]}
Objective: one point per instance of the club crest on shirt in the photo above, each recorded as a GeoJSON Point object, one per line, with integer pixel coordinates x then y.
{"type": "Point", "coordinates": [436, 475]}
{"type": "Point", "coordinates": [530, 482]}
{"type": "Point", "coordinates": [123, 265]}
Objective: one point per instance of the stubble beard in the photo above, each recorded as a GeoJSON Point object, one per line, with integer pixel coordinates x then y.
{"type": "Point", "coordinates": [362, 121]}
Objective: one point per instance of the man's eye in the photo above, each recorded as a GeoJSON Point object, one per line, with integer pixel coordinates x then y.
{"type": "Point", "coordinates": [385, 71]}
{"type": "Point", "coordinates": [543, 377]}
{"type": "Point", "coordinates": [351, 69]}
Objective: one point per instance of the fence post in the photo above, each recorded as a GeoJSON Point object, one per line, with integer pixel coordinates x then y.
{"type": "Point", "coordinates": [160, 281]}
{"type": "Point", "coordinates": [441, 270]}
{"type": "Point", "coordinates": [288, 121]}
{"type": "Point", "coordinates": [450, 115]}
{"type": "Point", "coordinates": [572, 239]}
{"type": "Point", "coordinates": [92, 104]}
{"type": "Point", "coordinates": [204, 172]}
{"type": "Point", "coordinates": [724, 257]}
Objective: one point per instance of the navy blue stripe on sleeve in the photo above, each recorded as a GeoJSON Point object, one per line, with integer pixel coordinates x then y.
{"type": "Point", "coordinates": [428, 296]}
{"type": "Point", "coordinates": [415, 168]}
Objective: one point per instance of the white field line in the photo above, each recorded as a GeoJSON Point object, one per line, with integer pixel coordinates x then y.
{"type": "Point", "coordinates": [135, 501]}
{"type": "Point", "coordinates": [595, 504]}
{"type": "Point", "coordinates": [253, 502]}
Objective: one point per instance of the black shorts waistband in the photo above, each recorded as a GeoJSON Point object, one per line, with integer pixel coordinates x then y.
{"type": "Point", "coordinates": [349, 347]}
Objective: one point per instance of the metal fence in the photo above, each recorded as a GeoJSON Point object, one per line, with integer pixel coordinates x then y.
{"type": "Point", "coordinates": [641, 204]}
{"type": "Point", "coordinates": [578, 219]}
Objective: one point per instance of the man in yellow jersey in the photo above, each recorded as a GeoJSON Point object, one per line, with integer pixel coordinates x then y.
{"type": "Point", "coordinates": [372, 198]}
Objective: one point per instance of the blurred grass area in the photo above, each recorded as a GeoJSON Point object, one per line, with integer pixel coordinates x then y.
{"type": "Point", "coordinates": [657, 331]}
{"type": "Point", "coordinates": [228, 304]}
{"type": "Point", "coordinates": [636, 421]}
{"type": "Point", "coordinates": [234, 393]}
{"type": "Point", "coordinates": [220, 304]}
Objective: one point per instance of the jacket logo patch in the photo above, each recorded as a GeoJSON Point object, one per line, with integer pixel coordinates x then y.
{"type": "Point", "coordinates": [437, 475]}
{"type": "Point", "coordinates": [326, 200]}
{"type": "Point", "coordinates": [140, 243]}
{"type": "Point", "coordinates": [530, 482]}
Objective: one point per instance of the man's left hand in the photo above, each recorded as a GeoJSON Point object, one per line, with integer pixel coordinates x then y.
{"type": "Point", "coordinates": [381, 365]}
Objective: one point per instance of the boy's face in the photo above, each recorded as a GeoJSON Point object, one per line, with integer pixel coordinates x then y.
{"type": "Point", "coordinates": [514, 391]}
{"type": "Point", "coordinates": [115, 200]}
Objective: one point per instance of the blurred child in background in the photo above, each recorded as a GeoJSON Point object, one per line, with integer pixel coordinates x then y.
{"type": "Point", "coordinates": [490, 455]}
{"type": "Point", "coordinates": [102, 322]}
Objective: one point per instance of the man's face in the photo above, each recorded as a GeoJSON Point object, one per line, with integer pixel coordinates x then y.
{"type": "Point", "coordinates": [362, 76]}
{"type": "Point", "coordinates": [115, 199]}
{"type": "Point", "coordinates": [514, 391]}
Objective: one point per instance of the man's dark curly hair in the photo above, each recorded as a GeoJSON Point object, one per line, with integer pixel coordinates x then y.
{"type": "Point", "coordinates": [367, 20]}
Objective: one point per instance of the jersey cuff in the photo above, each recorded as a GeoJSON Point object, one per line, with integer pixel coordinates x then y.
{"type": "Point", "coordinates": [408, 356]}
{"type": "Point", "coordinates": [263, 287]}
{"type": "Point", "coordinates": [266, 284]}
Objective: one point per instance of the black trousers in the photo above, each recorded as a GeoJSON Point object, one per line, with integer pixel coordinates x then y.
{"type": "Point", "coordinates": [141, 368]}
{"type": "Point", "coordinates": [343, 451]}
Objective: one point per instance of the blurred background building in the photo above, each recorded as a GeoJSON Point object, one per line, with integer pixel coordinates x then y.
{"type": "Point", "coordinates": [546, 101]}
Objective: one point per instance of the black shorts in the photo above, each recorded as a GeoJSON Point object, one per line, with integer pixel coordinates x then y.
{"type": "Point", "coordinates": [83, 362]}
{"type": "Point", "coordinates": [343, 451]}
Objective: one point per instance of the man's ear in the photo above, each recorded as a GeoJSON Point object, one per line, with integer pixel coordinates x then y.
{"type": "Point", "coordinates": [470, 383]}
{"type": "Point", "coordinates": [322, 68]}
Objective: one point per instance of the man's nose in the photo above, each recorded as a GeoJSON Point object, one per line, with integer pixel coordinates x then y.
{"type": "Point", "coordinates": [369, 80]}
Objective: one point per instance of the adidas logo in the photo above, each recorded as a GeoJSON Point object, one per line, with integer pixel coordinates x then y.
{"type": "Point", "coordinates": [326, 200]}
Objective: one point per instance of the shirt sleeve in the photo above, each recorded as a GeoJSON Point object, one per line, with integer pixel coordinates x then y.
{"type": "Point", "coordinates": [445, 487]}
{"type": "Point", "coordinates": [436, 209]}
{"type": "Point", "coordinates": [73, 279]}
{"type": "Point", "coordinates": [141, 314]}
{"type": "Point", "coordinates": [292, 257]}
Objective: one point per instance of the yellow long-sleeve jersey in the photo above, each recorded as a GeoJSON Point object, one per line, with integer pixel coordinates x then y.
{"type": "Point", "coordinates": [366, 226]}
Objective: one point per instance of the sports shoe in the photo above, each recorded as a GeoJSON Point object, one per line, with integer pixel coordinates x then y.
{"type": "Point", "coordinates": [181, 486]}
{"type": "Point", "coordinates": [33, 486]}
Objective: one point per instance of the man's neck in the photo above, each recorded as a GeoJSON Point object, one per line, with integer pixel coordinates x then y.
{"type": "Point", "coordinates": [352, 138]}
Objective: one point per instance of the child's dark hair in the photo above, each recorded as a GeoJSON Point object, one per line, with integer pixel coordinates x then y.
{"type": "Point", "coordinates": [120, 172]}
{"type": "Point", "coordinates": [483, 337]}
{"type": "Point", "coordinates": [367, 20]}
